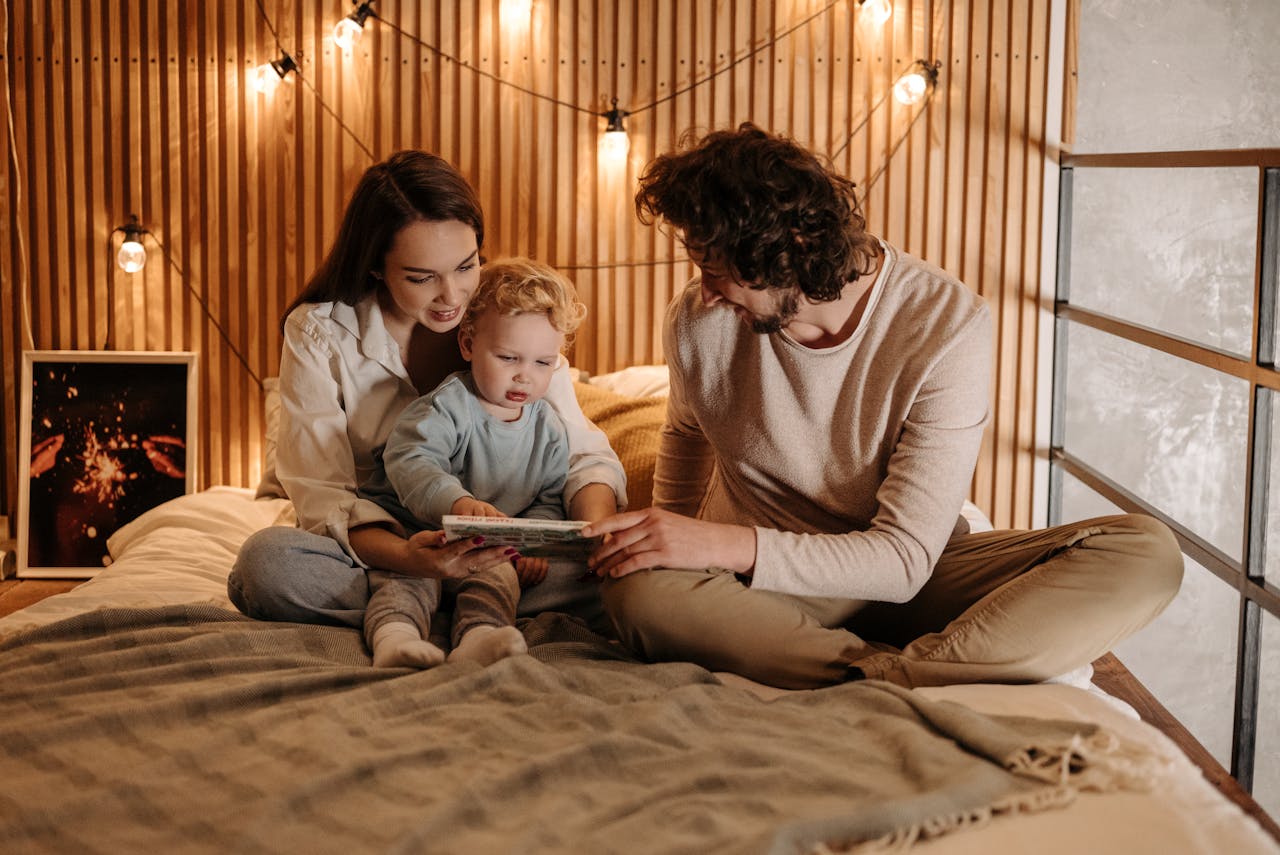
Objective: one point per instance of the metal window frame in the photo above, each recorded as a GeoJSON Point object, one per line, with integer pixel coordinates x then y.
{"type": "Point", "coordinates": [1247, 576]}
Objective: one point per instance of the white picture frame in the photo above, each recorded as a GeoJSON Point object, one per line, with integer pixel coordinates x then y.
{"type": "Point", "coordinates": [104, 436]}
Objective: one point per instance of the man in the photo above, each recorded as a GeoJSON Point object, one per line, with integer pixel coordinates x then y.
{"type": "Point", "coordinates": [828, 397]}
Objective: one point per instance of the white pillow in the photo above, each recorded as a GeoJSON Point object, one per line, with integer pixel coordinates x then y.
{"type": "Point", "coordinates": [638, 381]}
{"type": "Point", "coordinates": [177, 552]}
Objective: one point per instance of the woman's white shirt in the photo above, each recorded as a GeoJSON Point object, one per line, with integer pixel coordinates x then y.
{"type": "Point", "coordinates": [342, 388]}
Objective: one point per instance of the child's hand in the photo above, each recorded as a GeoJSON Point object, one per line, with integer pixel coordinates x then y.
{"type": "Point", "coordinates": [531, 571]}
{"type": "Point", "coordinates": [469, 506]}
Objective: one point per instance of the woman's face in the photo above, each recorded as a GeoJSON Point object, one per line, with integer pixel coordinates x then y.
{"type": "Point", "coordinates": [430, 273]}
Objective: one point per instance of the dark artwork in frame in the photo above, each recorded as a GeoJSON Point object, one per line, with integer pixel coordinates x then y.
{"type": "Point", "coordinates": [106, 436]}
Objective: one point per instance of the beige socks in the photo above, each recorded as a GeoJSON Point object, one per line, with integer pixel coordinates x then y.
{"type": "Point", "coordinates": [397, 644]}
{"type": "Point", "coordinates": [487, 644]}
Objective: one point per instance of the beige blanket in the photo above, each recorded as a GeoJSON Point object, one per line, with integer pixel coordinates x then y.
{"type": "Point", "coordinates": [192, 729]}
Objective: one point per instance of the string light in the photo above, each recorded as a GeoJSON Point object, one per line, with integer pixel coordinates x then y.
{"type": "Point", "coordinates": [913, 85]}
{"type": "Point", "coordinates": [267, 76]}
{"type": "Point", "coordinates": [616, 143]}
{"type": "Point", "coordinates": [132, 255]}
{"type": "Point", "coordinates": [347, 31]}
{"type": "Point", "coordinates": [910, 89]}
{"type": "Point", "coordinates": [874, 13]}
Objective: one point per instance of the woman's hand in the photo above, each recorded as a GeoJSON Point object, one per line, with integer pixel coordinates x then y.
{"type": "Point", "coordinates": [429, 554]}
{"type": "Point", "coordinates": [425, 554]}
{"type": "Point", "coordinates": [640, 540]}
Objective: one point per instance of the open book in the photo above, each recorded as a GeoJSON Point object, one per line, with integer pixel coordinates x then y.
{"type": "Point", "coordinates": [542, 538]}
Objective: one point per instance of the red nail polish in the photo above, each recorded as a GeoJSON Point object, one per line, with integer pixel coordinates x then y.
{"type": "Point", "coordinates": [512, 552]}
{"type": "Point", "coordinates": [477, 540]}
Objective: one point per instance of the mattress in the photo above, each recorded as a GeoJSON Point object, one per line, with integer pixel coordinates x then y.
{"type": "Point", "coordinates": [173, 561]}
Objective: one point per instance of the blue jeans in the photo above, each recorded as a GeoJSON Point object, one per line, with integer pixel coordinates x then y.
{"type": "Point", "coordinates": [288, 574]}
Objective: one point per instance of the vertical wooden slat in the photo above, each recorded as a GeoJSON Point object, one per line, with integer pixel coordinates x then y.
{"type": "Point", "coordinates": [1037, 130]}
{"type": "Point", "coordinates": [12, 283]}
{"type": "Point", "coordinates": [45, 298]}
{"type": "Point", "coordinates": [144, 107]}
{"type": "Point", "coordinates": [1070, 81]}
{"type": "Point", "coordinates": [1004, 250]}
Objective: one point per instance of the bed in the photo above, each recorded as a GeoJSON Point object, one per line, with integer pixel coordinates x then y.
{"type": "Point", "coordinates": [142, 712]}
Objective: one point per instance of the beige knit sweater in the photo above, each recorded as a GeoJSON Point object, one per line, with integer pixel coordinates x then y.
{"type": "Point", "coordinates": [851, 462]}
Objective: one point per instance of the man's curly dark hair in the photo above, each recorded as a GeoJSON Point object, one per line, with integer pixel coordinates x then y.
{"type": "Point", "coordinates": [765, 206]}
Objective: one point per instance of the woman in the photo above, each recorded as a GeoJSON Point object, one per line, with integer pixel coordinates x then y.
{"type": "Point", "coordinates": [374, 329]}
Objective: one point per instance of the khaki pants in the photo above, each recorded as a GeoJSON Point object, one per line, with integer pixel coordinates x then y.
{"type": "Point", "coordinates": [1001, 606]}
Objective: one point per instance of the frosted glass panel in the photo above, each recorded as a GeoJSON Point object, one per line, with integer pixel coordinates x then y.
{"type": "Point", "coordinates": [1170, 249]}
{"type": "Point", "coordinates": [1170, 431]}
{"type": "Point", "coordinates": [1271, 559]}
{"type": "Point", "coordinates": [1186, 657]}
{"type": "Point", "coordinates": [1161, 76]}
{"type": "Point", "coordinates": [1266, 766]}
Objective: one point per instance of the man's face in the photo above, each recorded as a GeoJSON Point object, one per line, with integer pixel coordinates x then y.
{"type": "Point", "coordinates": [763, 310]}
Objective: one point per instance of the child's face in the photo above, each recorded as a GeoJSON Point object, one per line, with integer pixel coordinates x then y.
{"type": "Point", "coordinates": [512, 359]}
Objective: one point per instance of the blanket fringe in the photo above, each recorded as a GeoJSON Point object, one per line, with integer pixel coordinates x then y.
{"type": "Point", "coordinates": [1100, 763]}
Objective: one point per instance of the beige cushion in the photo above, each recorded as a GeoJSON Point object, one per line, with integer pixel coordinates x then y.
{"type": "Point", "coordinates": [632, 425]}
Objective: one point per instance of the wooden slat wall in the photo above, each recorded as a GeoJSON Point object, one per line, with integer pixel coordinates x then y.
{"type": "Point", "coordinates": [146, 107]}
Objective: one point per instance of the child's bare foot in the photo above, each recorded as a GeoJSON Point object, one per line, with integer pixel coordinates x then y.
{"type": "Point", "coordinates": [398, 645]}
{"type": "Point", "coordinates": [488, 644]}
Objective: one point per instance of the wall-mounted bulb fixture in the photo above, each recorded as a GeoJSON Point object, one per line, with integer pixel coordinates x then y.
{"type": "Point", "coordinates": [267, 76]}
{"type": "Point", "coordinates": [615, 143]}
{"type": "Point", "coordinates": [912, 86]}
{"type": "Point", "coordinates": [132, 255]}
{"type": "Point", "coordinates": [874, 13]}
{"type": "Point", "coordinates": [347, 31]}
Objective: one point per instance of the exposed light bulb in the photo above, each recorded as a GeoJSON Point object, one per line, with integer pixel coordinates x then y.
{"type": "Point", "coordinates": [616, 143]}
{"type": "Point", "coordinates": [132, 256]}
{"type": "Point", "coordinates": [267, 76]}
{"type": "Point", "coordinates": [265, 79]}
{"type": "Point", "coordinates": [516, 10]}
{"type": "Point", "coordinates": [346, 33]}
{"type": "Point", "coordinates": [910, 88]}
{"type": "Point", "coordinates": [874, 13]}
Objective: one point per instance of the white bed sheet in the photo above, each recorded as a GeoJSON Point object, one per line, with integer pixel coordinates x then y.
{"type": "Point", "coordinates": [179, 552]}
{"type": "Point", "coordinates": [182, 551]}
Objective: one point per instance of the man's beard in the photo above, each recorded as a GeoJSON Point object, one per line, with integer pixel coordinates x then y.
{"type": "Point", "coordinates": [788, 306]}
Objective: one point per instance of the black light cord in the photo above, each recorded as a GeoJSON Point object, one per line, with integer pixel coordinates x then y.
{"type": "Point", "coordinates": [755, 50]}
{"type": "Point", "coordinates": [204, 307]}
{"type": "Point", "coordinates": [440, 54]}
{"type": "Point", "coordinates": [657, 262]}
{"type": "Point", "coordinates": [889, 157]}
{"type": "Point", "coordinates": [480, 71]}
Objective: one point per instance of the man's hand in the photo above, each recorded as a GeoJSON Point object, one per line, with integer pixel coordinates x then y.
{"type": "Point", "coordinates": [640, 540]}
{"type": "Point", "coordinates": [473, 507]}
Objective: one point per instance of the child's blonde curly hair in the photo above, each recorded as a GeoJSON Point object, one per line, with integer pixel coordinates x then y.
{"type": "Point", "coordinates": [519, 286]}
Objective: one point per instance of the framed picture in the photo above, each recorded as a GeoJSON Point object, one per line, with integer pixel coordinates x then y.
{"type": "Point", "coordinates": [104, 436]}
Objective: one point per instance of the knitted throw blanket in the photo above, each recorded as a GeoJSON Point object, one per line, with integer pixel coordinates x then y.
{"type": "Point", "coordinates": [192, 729]}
